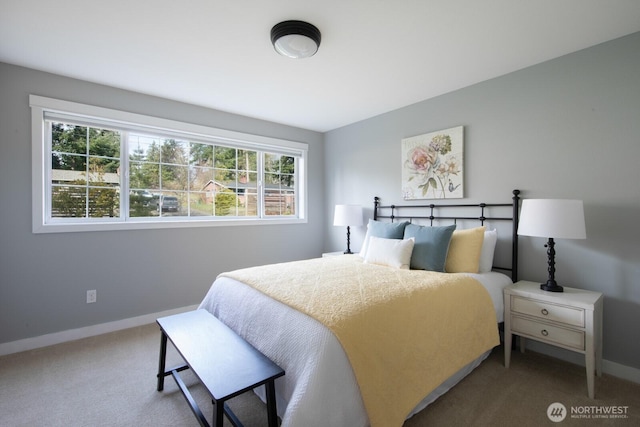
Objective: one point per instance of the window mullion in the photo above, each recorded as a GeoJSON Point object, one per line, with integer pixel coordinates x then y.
{"type": "Point", "coordinates": [261, 207]}
{"type": "Point", "coordinates": [124, 176]}
{"type": "Point", "coordinates": [86, 171]}
{"type": "Point", "coordinates": [48, 154]}
{"type": "Point", "coordinates": [296, 183]}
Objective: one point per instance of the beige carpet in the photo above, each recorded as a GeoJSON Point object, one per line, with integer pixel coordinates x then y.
{"type": "Point", "coordinates": [110, 380]}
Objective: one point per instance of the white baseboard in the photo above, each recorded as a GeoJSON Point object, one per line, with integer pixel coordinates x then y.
{"type": "Point", "coordinates": [608, 367]}
{"type": "Point", "coordinates": [621, 371]}
{"type": "Point", "coordinates": [87, 331]}
{"type": "Point", "coordinates": [612, 368]}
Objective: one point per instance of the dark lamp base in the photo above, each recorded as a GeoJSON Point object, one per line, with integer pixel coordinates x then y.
{"type": "Point", "coordinates": [348, 252]}
{"type": "Point", "coordinates": [551, 286]}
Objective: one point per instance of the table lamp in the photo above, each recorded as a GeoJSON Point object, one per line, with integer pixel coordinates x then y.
{"type": "Point", "coordinates": [349, 215]}
{"type": "Point", "coordinates": [552, 218]}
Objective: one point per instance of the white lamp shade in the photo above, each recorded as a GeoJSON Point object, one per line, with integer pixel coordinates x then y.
{"type": "Point", "coordinates": [350, 215]}
{"type": "Point", "coordinates": [552, 218]}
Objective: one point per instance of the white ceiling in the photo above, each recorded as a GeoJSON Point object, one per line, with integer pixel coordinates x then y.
{"type": "Point", "coordinates": [375, 55]}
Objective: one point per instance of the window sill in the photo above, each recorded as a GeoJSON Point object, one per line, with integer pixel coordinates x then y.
{"type": "Point", "coordinates": [154, 225]}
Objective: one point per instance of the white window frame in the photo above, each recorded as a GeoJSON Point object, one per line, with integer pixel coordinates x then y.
{"type": "Point", "coordinates": [42, 106]}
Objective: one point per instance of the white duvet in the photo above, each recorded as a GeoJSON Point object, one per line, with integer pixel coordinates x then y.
{"type": "Point", "coordinates": [319, 387]}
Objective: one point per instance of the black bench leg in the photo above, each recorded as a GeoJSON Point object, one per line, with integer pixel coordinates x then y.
{"type": "Point", "coordinates": [161, 362]}
{"type": "Point", "coordinates": [272, 413]}
{"type": "Point", "coordinates": [218, 414]}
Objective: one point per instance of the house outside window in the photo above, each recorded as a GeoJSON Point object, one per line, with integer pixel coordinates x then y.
{"type": "Point", "coordinates": [100, 169]}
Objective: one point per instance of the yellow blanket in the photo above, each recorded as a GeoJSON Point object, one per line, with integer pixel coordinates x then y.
{"type": "Point", "coordinates": [404, 331]}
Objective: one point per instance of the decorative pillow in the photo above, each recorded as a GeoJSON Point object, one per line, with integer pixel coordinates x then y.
{"type": "Point", "coordinates": [390, 252]}
{"type": "Point", "coordinates": [464, 251]}
{"type": "Point", "coordinates": [488, 248]}
{"type": "Point", "coordinates": [431, 247]}
{"type": "Point", "coordinates": [385, 230]}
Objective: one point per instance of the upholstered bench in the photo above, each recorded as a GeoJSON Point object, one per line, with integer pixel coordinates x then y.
{"type": "Point", "coordinates": [223, 362]}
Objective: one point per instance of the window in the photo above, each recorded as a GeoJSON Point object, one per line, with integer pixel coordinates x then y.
{"type": "Point", "coordinates": [100, 169]}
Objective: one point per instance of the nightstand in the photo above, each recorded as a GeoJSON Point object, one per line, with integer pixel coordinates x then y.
{"type": "Point", "coordinates": [571, 319]}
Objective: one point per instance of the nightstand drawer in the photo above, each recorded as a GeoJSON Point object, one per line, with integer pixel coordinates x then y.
{"type": "Point", "coordinates": [549, 333]}
{"type": "Point", "coordinates": [544, 310]}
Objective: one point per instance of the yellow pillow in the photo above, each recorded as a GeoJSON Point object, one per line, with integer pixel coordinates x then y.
{"type": "Point", "coordinates": [464, 251]}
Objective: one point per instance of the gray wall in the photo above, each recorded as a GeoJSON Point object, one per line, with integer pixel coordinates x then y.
{"type": "Point", "coordinates": [44, 277]}
{"type": "Point", "coordinates": [567, 128]}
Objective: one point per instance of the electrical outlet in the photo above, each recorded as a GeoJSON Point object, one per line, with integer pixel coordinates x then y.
{"type": "Point", "coordinates": [91, 296]}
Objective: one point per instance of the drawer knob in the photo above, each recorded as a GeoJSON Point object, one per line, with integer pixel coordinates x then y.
{"type": "Point", "coordinates": [544, 311]}
{"type": "Point", "coordinates": [544, 332]}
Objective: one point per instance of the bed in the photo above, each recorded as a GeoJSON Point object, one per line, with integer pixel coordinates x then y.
{"type": "Point", "coordinates": [338, 377]}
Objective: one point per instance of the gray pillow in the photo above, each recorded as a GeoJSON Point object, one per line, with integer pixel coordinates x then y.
{"type": "Point", "coordinates": [431, 246]}
{"type": "Point", "coordinates": [384, 230]}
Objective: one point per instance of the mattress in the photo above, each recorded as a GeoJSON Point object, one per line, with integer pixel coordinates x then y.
{"type": "Point", "coordinates": [494, 283]}
{"type": "Point", "coordinates": [319, 387]}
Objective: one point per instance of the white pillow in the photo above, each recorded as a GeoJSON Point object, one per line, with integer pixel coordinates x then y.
{"type": "Point", "coordinates": [385, 230]}
{"type": "Point", "coordinates": [488, 248]}
{"type": "Point", "coordinates": [390, 252]}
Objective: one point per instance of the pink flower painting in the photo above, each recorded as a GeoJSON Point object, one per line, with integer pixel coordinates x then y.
{"type": "Point", "coordinates": [432, 165]}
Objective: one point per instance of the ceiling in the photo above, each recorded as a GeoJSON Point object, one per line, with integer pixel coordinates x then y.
{"type": "Point", "coordinates": [375, 55]}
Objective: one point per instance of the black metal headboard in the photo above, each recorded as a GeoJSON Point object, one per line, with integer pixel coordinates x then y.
{"type": "Point", "coordinates": [397, 212]}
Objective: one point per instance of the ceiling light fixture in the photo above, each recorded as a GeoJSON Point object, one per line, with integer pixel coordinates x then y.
{"type": "Point", "coordinates": [295, 39]}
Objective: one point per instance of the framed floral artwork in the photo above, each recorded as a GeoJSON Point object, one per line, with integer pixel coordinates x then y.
{"type": "Point", "coordinates": [432, 165]}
